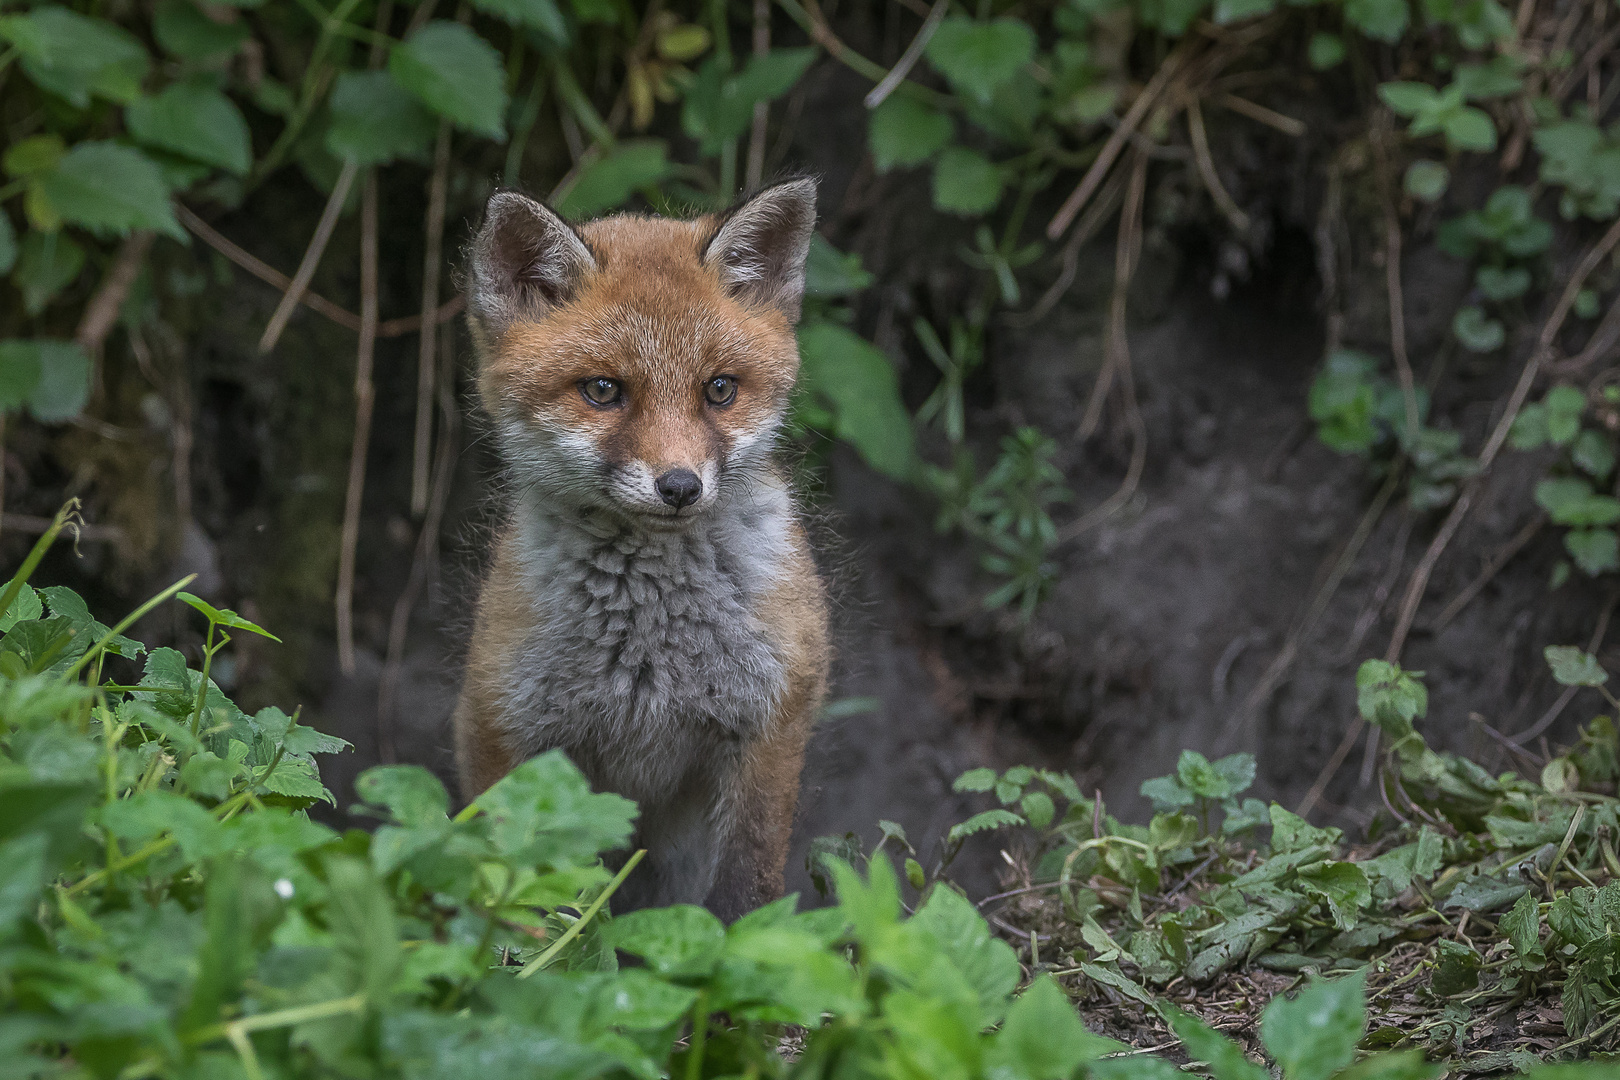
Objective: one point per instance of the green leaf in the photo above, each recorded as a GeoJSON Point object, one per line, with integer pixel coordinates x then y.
{"type": "Point", "coordinates": [1043, 1038]}
{"type": "Point", "coordinates": [1394, 1065]}
{"type": "Point", "coordinates": [73, 56]}
{"type": "Point", "coordinates": [905, 132]}
{"type": "Point", "coordinates": [1522, 926]}
{"type": "Point", "coordinates": [987, 963]}
{"type": "Point", "coordinates": [34, 155]}
{"type": "Point", "coordinates": [184, 31]}
{"type": "Point", "coordinates": [1171, 17]}
{"type": "Point", "coordinates": [224, 616]}
{"type": "Point", "coordinates": [1470, 129]}
{"type": "Point", "coordinates": [1038, 809]}
{"type": "Point", "coordinates": [1458, 970]}
{"type": "Point", "coordinates": [1593, 454]}
{"type": "Point", "coordinates": [966, 182]}
{"type": "Point", "coordinates": [1573, 666]}
{"type": "Point", "coordinates": [109, 188]}
{"type": "Point", "coordinates": [1476, 331]}
{"type": "Point", "coordinates": [1498, 78]}
{"type": "Point", "coordinates": [1167, 793]}
{"type": "Point", "coordinates": [544, 811]}
{"type": "Point", "coordinates": [1570, 501]}
{"type": "Point", "coordinates": [541, 15]}
{"type": "Point", "coordinates": [719, 105]}
{"type": "Point", "coordinates": [849, 374]}
{"type": "Point", "coordinates": [1325, 51]}
{"type": "Point", "coordinates": [1595, 551]}
{"type": "Point", "coordinates": [1230, 11]}
{"type": "Point", "coordinates": [635, 1000]}
{"type": "Point", "coordinates": [609, 180]}
{"type": "Point", "coordinates": [360, 914]}
{"type": "Point", "coordinates": [1426, 181]}
{"type": "Point", "coordinates": [1342, 885]}
{"type": "Point", "coordinates": [1498, 284]}
{"type": "Point", "coordinates": [56, 375]}
{"type": "Point", "coordinates": [1314, 1035]}
{"type": "Point", "coordinates": [1344, 400]}
{"type": "Point", "coordinates": [8, 244]}
{"type": "Point", "coordinates": [679, 941]}
{"type": "Point", "coordinates": [1408, 98]}
{"type": "Point", "coordinates": [1390, 697]}
{"type": "Point", "coordinates": [975, 780]}
{"type": "Point", "coordinates": [46, 264]}
{"type": "Point", "coordinates": [831, 273]}
{"type": "Point", "coordinates": [989, 819]}
{"type": "Point", "coordinates": [195, 120]}
{"type": "Point", "coordinates": [411, 794]}
{"type": "Point", "coordinates": [1225, 1058]}
{"type": "Point", "coordinates": [1382, 20]}
{"type": "Point", "coordinates": [978, 58]}
{"type": "Point", "coordinates": [374, 121]}
{"type": "Point", "coordinates": [1290, 832]}
{"type": "Point", "coordinates": [1529, 429]}
{"type": "Point", "coordinates": [455, 73]}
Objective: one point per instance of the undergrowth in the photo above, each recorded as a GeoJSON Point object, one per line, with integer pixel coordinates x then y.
{"type": "Point", "coordinates": [168, 908]}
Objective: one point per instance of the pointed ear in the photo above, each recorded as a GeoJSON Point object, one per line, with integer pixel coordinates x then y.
{"type": "Point", "coordinates": [760, 248]}
{"type": "Point", "coordinates": [525, 260]}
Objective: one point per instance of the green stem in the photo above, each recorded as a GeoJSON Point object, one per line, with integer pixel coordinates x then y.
{"type": "Point", "coordinates": [728, 171]}
{"type": "Point", "coordinates": [124, 624]}
{"type": "Point", "coordinates": [700, 1036]}
{"type": "Point", "coordinates": [41, 546]}
{"type": "Point", "coordinates": [574, 931]}
{"type": "Point", "coordinates": [314, 80]}
{"type": "Point", "coordinates": [202, 684]}
{"type": "Point", "coordinates": [224, 811]}
{"type": "Point", "coordinates": [281, 1018]}
{"type": "Point", "coordinates": [526, 118]}
{"type": "Point", "coordinates": [568, 89]}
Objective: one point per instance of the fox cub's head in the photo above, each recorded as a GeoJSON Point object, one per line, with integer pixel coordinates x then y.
{"type": "Point", "coordinates": [639, 364]}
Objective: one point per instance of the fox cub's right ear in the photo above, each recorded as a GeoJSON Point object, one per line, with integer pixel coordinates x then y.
{"type": "Point", "coordinates": [525, 261]}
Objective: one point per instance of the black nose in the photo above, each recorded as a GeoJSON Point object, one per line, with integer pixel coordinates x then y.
{"type": "Point", "coordinates": [680, 487]}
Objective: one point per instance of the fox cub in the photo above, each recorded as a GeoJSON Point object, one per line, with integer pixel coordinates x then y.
{"type": "Point", "coordinates": [653, 608]}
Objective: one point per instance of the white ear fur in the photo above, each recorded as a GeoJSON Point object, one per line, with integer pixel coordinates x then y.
{"type": "Point", "coordinates": [759, 250]}
{"type": "Point", "coordinates": [524, 260]}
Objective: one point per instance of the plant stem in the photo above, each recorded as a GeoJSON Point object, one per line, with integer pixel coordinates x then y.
{"type": "Point", "coordinates": [124, 624]}
{"type": "Point", "coordinates": [700, 1036]}
{"type": "Point", "coordinates": [574, 931]}
{"type": "Point", "coordinates": [69, 511]}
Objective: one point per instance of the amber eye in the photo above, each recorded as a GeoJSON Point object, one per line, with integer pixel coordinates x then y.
{"type": "Point", "coordinates": [601, 391]}
{"type": "Point", "coordinates": [720, 390]}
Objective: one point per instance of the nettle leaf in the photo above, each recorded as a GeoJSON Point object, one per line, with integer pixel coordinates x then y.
{"type": "Point", "coordinates": [541, 15]}
{"type": "Point", "coordinates": [989, 964]}
{"type": "Point", "coordinates": [455, 73]}
{"type": "Point", "coordinates": [966, 182]}
{"type": "Point", "coordinates": [1522, 926]}
{"type": "Point", "coordinates": [609, 180]}
{"type": "Point", "coordinates": [184, 31]}
{"type": "Point", "coordinates": [1290, 832]}
{"type": "Point", "coordinates": [51, 377]}
{"type": "Point", "coordinates": [197, 121]}
{"type": "Point", "coordinates": [1390, 697]}
{"type": "Point", "coordinates": [906, 132]}
{"type": "Point", "coordinates": [683, 940]}
{"type": "Point", "coordinates": [74, 56]}
{"type": "Point", "coordinates": [545, 812]}
{"type": "Point", "coordinates": [1342, 885]}
{"type": "Point", "coordinates": [978, 58]}
{"type": "Point", "coordinates": [1043, 1037]}
{"type": "Point", "coordinates": [1574, 666]}
{"type": "Point", "coordinates": [831, 273]}
{"type": "Point", "coordinates": [375, 121]}
{"type": "Point", "coordinates": [1167, 793]}
{"type": "Point", "coordinates": [1458, 971]}
{"type": "Point", "coordinates": [1595, 551]}
{"type": "Point", "coordinates": [1314, 1035]}
{"type": "Point", "coordinates": [110, 189]}
{"type": "Point", "coordinates": [850, 374]}
{"type": "Point", "coordinates": [411, 794]}
{"type": "Point", "coordinates": [719, 104]}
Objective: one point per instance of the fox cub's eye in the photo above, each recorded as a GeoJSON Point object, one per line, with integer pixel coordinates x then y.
{"type": "Point", "coordinates": [721, 390]}
{"type": "Point", "coordinates": [600, 391]}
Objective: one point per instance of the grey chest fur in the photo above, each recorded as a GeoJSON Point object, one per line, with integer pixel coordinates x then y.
{"type": "Point", "coordinates": [648, 662]}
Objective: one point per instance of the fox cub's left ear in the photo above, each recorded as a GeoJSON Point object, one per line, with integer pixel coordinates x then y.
{"type": "Point", "coordinates": [760, 248]}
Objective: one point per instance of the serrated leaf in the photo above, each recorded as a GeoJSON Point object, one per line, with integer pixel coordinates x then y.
{"type": "Point", "coordinates": [1043, 1038]}
{"type": "Point", "coordinates": [683, 940]}
{"type": "Point", "coordinates": [224, 616]}
{"type": "Point", "coordinates": [975, 780]}
{"type": "Point", "coordinates": [184, 31]}
{"type": "Point", "coordinates": [375, 121]}
{"type": "Point", "coordinates": [1522, 926]}
{"type": "Point", "coordinates": [905, 132]}
{"type": "Point", "coordinates": [987, 963]}
{"type": "Point", "coordinates": [74, 56]}
{"type": "Point", "coordinates": [978, 58]}
{"type": "Point", "coordinates": [608, 181]}
{"type": "Point", "coordinates": [982, 822]}
{"type": "Point", "coordinates": [455, 73]}
{"type": "Point", "coordinates": [1314, 1035]}
{"type": "Point", "coordinates": [110, 189]}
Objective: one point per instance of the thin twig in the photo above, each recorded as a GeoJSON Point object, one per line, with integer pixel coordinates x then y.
{"type": "Point", "coordinates": [1601, 343]}
{"type": "Point", "coordinates": [311, 259]}
{"type": "Point", "coordinates": [1206, 169]}
{"type": "Point", "coordinates": [268, 274]}
{"type": "Point", "coordinates": [1100, 210]}
{"type": "Point", "coordinates": [1392, 282]}
{"type": "Point", "coordinates": [760, 129]}
{"type": "Point", "coordinates": [1543, 348]}
{"type": "Point", "coordinates": [1126, 255]}
{"type": "Point", "coordinates": [1492, 568]}
{"type": "Point", "coordinates": [101, 313]}
{"type": "Point", "coordinates": [1285, 124]}
{"type": "Point", "coordinates": [908, 59]}
{"type": "Point", "coordinates": [363, 400]}
{"type": "Point", "coordinates": [428, 351]}
{"type": "Point", "coordinates": [1117, 139]}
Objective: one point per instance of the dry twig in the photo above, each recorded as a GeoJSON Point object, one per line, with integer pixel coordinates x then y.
{"type": "Point", "coordinates": [908, 59]}
{"type": "Point", "coordinates": [101, 313]}
{"type": "Point", "coordinates": [1206, 168]}
{"type": "Point", "coordinates": [364, 394]}
{"type": "Point", "coordinates": [311, 259]}
{"type": "Point", "coordinates": [1491, 569]}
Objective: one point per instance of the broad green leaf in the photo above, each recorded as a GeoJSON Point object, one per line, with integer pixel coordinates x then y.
{"type": "Point", "coordinates": [1171, 17]}
{"type": "Point", "coordinates": [1522, 926]}
{"type": "Point", "coordinates": [455, 73]}
{"type": "Point", "coordinates": [683, 940]}
{"type": "Point", "coordinates": [1593, 454]}
{"type": "Point", "coordinates": [1325, 51]}
{"type": "Point", "coordinates": [361, 916]}
{"type": "Point", "coordinates": [1458, 970]}
{"type": "Point", "coordinates": [1383, 20]}
{"type": "Point", "coordinates": [978, 58]}
{"type": "Point", "coordinates": [966, 182]}
{"type": "Point", "coordinates": [1529, 429]}
{"type": "Point", "coordinates": [830, 272]}
{"type": "Point", "coordinates": [109, 188]}
{"type": "Point", "coordinates": [1394, 1065]}
{"type": "Point", "coordinates": [47, 263]}
{"type": "Point", "coordinates": [635, 1000]}
{"type": "Point", "coordinates": [184, 31]}
{"type": "Point", "coordinates": [1167, 793]}
{"type": "Point", "coordinates": [859, 383]}
{"type": "Point", "coordinates": [544, 811]}
{"type": "Point", "coordinates": [975, 780]}
{"type": "Point", "coordinates": [1595, 551]}
{"type": "Point", "coordinates": [1290, 832]}
{"type": "Point", "coordinates": [411, 794]}
{"type": "Point", "coordinates": [60, 373]}
{"type": "Point", "coordinates": [1225, 1058]}
{"type": "Point", "coordinates": [74, 56]}
{"type": "Point", "coordinates": [719, 104]}
{"type": "Point", "coordinates": [374, 120]}
{"type": "Point", "coordinates": [988, 963]}
{"type": "Point", "coordinates": [1314, 1035]}
{"type": "Point", "coordinates": [1573, 666]}
{"type": "Point", "coordinates": [541, 15]}
{"type": "Point", "coordinates": [1343, 885]}
{"type": "Point", "coordinates": [608, 181]}
{"type": "Point", "coordinates": [1037, 808]}
{"type": "Point", "coordinates": [1390, 697]}
{"type": "Point", "coordinates": [1498, 78]}
{"type": "Point", "coordinates": [1408, 98]}
{"type": "Point", "coordinates": [1043, 1038]}
{"type": "Point", "coordinates": [1426, 180]}
{"type": "Point", "coordinates": [297, 738]}
{"type": "Point", "coordinates": [25, 608]}
{"type": "Point", "coordinates": [1569, 500]}
{"type": "Point", "coordinates": [1470, 129]}
{"type": "Point", "coordinates": [34, 155]}
{"type": "Point", "coordinates": [905, 132]}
